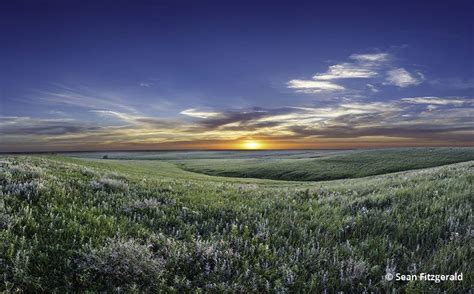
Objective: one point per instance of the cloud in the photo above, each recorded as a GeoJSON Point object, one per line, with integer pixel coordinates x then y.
{"type": "Point", "coordinates": [392, 121]}
{"type": "Point", "coordinates": [431, 107]}
{"type": "Point", "coordinates": [361, 66]}
{"type": "Point", "coordinates": [374, 57]}
{"type": "Point", "coordinates": [193, 112]}
{"type": "Point", "coordinates": [372, 88]}
{"type": "Point", "coordinates": [280, 119]}
{"type": "Point", "coordinates": [311, 86]}
{"type": "Point", "coordinates": [239, 117]}
{"type": "Point", "coordinates": [371, 106]}
{"type": "Point", "coordinates": [155, 123]}
{"type": "Point", "coordinates": [120, 115]}
{"type": "Point", "coordinates": [364, 66]}
{"type": "Point", "coordinates": [340, 120]}
{"type": "Point", "coordinates": [377, 68]}
{"type": "Point", "coordinates": [347, 71]}
{"type": "Point", "coordinates": [145, 84]}
{"type": "Point", "coordinates": [83, 98]}
{"type": "Point", "coordinates": [21, 126]}
{"type": "Point", "coordinates": [401, 77]}
{"type": "Point", "coordinates": [433, 132]}
{"type": "Point", "coordinates": [142, 121]}
{"type": "Point", "coordinates": [434, 100]}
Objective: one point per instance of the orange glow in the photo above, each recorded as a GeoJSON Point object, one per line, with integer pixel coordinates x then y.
{"type": "Point", "coordinates": [252, 145]}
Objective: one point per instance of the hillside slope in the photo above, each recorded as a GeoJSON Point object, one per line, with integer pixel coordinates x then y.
{"type": "Point", "coordinates": [350, 164]}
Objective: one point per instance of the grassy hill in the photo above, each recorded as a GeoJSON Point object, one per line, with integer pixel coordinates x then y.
{"type": "Point", "coordinates": [189, 155]}
{"type": "Point", "coordinates": [348, 164]}
{"type": "Point", "coordinates": [71, 225]}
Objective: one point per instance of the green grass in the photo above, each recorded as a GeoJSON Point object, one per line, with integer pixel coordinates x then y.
{"type": "Point", "coordinates": [73, 225]}
{"type": "Point", "coordinates": [164, 170]}
{"type": "Point", "coordinates": [349, 164]}
{"type": "Point", "coordinates": [185, 155]}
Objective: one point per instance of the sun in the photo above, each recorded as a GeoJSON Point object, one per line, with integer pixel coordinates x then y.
{"type": "Point", "coordinates": [251, 145]}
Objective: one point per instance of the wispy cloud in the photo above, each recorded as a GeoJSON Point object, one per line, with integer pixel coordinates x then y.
{"type": "Point", "coordinates": [145, 84]}
{"type": "Point", "coordinates": [378, 68]}
{"type": "Point", "coordinates": [402, 78]}
{"type": "Point", "coordinates": [434, 100]}
{"type": "Point", "coordinates": [83, 98]}
{"type": "Point", "coordinates": [148, 82]}
{"type": "Point", "coordinates": [143, 122]}
{"type": "Point", "coordinates": [347, 71]}
{"type": "Point", "coordinates": [372, 88]}
{"type": "Point", "coordinates": [372, 57]}
{"type": "Point", "coordinates": [363, 66]}
{"type": "Point", "coordinates": [21, 126]}
{"type": "Point", "coordinates": [193, 112]}
{"type": "Point", "coordinates": [283, 118]}
{"type": "Point", "coordinates": [119, 115]}
{"type": "Point", "coordinates": [432, 132]}
{"type": "Point", "coordinates": [311, 86]}
{"type": "Point", "coordinates": [348, 120]}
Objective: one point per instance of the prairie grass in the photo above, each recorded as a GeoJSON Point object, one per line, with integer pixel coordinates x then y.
{"type": "Point", "coordinates": [128, 226]}
{"type": "Point", "coordinates": [329, 166]}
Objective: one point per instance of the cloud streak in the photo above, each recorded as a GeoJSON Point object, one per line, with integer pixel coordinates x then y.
{"type": "Point", "coordinates": [82, 98]}
{"type": "Point", "coordinates": [193, 112]}
{"type": "Point", "coordinates": [21, 126]}
{"type": "Point", "coordinates": [371, 58]}
{"type": "Point", "coordinates": [347, 71]}
{"type": "Point", "coordinates": [311, 86]}
{"type": "Point", "coordinates": [435, 100]}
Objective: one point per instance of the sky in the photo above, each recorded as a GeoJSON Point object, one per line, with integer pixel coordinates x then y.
{"type": "Point", "coordinates": [146, 75]}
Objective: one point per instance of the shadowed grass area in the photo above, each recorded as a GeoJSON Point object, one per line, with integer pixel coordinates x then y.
{"type": "Point", "coordinates": [349, 164]}
{"type": "Point", "coordinates": [71, 225]}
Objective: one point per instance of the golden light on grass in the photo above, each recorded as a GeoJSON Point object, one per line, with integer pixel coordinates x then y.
{"type": "Point", "coordinates": [252, 145]}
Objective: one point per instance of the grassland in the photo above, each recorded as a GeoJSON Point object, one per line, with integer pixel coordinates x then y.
{"type": "Point", "coordinates": [331, 166]}
{"type": "Point", "coordinates": [71, 224]}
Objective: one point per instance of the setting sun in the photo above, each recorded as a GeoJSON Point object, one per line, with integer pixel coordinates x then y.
{"type": "Point", "coordinates": [251, 145]}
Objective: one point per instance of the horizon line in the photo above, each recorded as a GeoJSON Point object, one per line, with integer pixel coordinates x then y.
{"type": "Point", "coordinates": [211, 150]}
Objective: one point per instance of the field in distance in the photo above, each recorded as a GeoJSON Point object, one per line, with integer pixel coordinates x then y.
{"type": "Point", "coordinates": [300, 165]}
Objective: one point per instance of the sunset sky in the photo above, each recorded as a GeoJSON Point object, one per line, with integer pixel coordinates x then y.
{"type": "Point", "coordinates": [119, 75]}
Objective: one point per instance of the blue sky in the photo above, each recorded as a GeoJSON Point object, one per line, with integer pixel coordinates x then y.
{"type": "Point", "coordinates": [87, 75]}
